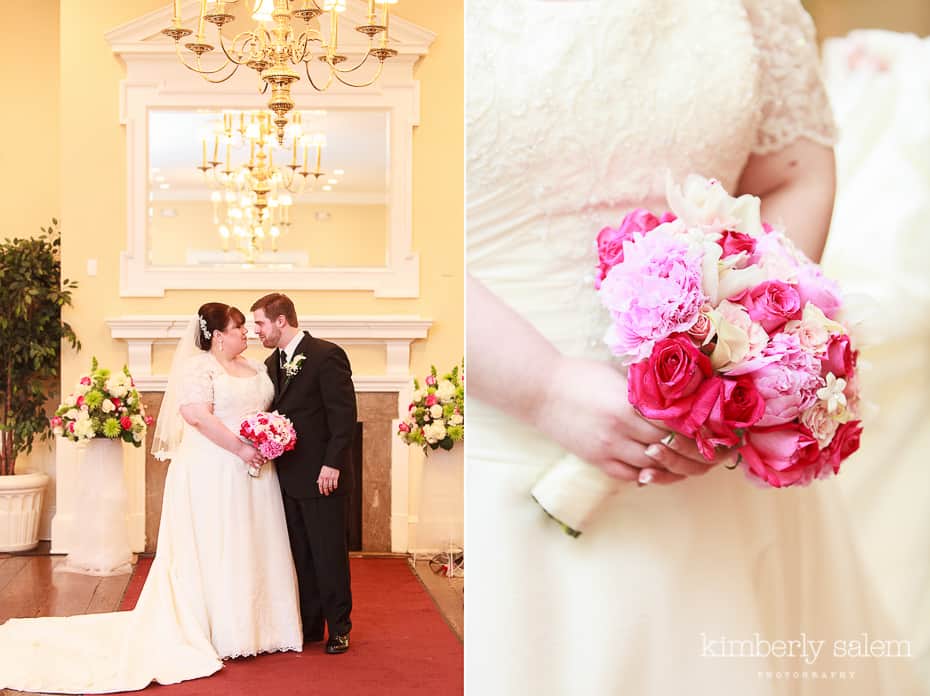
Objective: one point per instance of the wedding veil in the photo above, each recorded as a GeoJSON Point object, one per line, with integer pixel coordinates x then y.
{"type": "Point", "coordinates": [170, 425]}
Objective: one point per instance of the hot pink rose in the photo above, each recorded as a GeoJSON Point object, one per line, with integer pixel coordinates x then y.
{"type": "Point", "coordinates": [404, 428]}
{"type": "Point", "coordinates": [116, 402]}
{"type": "Point", "coordinates": [71, 427]}
{"type": "Point", "coordinates": [668, 384]}
{"type": "Point", "coordinates": [610, 239]}
{"type": "Point", "coordinates": [782, 455]}
{"type": "Point", "coordinates": [771, 303]}
{"type": "Point", "coordinates": [431, 400]}
{"type": "Point", "coordinates": [80, 401]}
{"type": "Point", "coordinates": [844, 443]}
{"type": "Point", "coordinates": [56, 421]}
{"type": "Point", "coordinates": [125, 423]}
{"type": "Point", "coordinates": [149, 420]}
{"type": "Point", "coordinates": [85, 381]}
{"type": "Point", "coordinates": [840, 358]}
{"type": "Point", "coordinates": [734, 242]}
{"type": "Point", "coordinates": [738, 406]}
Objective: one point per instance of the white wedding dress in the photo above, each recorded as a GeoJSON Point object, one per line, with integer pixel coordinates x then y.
{"type": "Point", "coordinates": [222, 583]}
{"type": "Point", "coordinates": [879, 85]}
{"type": "Point", "coordinates": [575, 110]}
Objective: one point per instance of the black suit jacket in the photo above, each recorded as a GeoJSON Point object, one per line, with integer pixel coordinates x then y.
{"type": "Point", "coordinates": [320, 401]}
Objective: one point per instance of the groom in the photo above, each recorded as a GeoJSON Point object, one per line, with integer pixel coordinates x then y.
{"type": "Point", "coordinates": [313, 387]}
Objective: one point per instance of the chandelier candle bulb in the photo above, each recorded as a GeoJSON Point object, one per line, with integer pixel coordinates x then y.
{"type": "Point", "coordinates": [294, 161]}
{"type": "Point", "coordinates": [216, 146]}
{"type": "Point", "coordinates": [204, 143]}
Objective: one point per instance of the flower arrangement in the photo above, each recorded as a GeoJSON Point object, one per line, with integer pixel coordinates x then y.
{"type": "Point", "coordinates": [103, 404]}
{"type": "Point", "coordinates": [436, 416]}
{"type": "Point", "coordinates": [731, 337]}
{"type": "Point", "coordinates": [271, 433]}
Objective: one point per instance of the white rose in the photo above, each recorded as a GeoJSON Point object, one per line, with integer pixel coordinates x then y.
{"type": "Point", "coordinates": [137, 421]}
{"type": "Point", "coordinates": [84, 428]}
{"type": "Point", "coordinates": [108, 406]}
{"type": "Point", "coordinates": [72, 414]}
{"type": "Point", "coordinates": [702, 202]}
{"type": "Point", "coordinates": [137, 437]}
{"type": "Point", "coordinates": [71, 400]}
{"type": "Point", "coordinates": [58, 430]}
{"type": "Point", "coordinates": [434, 432]}
{"type": "Point", "coordinates": [456, 419]}
{"type": "Point", "coordinates": [419, 395]}
{"type": "Point", "coordinates": [435, 411]}
{"type": "Point", "coordinates": [82, 389]}
{"type": "Point", "coordinates": [445, 391]}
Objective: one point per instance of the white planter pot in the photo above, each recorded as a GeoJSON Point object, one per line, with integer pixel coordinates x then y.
{"type": "Point", "coordinates": [21, 497]}
{"type": "Point", "coordinates": [100, 542]}
{"type": "Point", "coordinates": [441, 510]}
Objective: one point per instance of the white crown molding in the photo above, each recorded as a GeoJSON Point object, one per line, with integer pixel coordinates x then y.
{"type": "Point", "coordinates": [155, 80]}
{"type": "Point", "coordinates": [310, 198]}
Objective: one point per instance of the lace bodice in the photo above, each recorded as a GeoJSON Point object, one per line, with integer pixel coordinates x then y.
{"type": "Point", "coordinates": [232, 397]}
{"type": "Point", "coordinates": [576, 111]}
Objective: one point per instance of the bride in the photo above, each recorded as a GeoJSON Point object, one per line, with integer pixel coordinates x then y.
{"type": "Point", "coordinates": [693, 581]}
{"type": "Point", "coordinates": [222, 583]}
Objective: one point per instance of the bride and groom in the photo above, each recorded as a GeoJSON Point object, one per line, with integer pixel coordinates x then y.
{"type": "Point", "coordinates": [245, 565]}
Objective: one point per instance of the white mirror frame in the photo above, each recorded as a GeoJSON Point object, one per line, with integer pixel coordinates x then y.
{"type": "Point", "coordinates": [156, 80]}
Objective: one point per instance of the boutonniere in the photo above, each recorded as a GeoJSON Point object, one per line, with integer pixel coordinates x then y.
{"type": "Point", "coordinates": [292, 366]}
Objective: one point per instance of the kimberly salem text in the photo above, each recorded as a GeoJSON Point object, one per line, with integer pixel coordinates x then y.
{"type": "Point", "coordinates": [803, 647]}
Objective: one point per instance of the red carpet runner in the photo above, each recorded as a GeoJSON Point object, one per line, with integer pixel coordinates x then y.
{"type": "Point", "coordinates": [401, 646]}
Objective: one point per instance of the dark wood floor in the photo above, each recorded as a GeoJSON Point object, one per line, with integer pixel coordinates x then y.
{"type": "Point", "coordinates": [30, 586]}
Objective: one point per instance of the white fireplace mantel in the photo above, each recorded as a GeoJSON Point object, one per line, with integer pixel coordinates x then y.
{"type": "Point", "coordinates": [395, 332]}
{"type": "Point", "coordinates": [142, 333]}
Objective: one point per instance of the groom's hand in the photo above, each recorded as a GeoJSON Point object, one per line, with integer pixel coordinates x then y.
{"type": "Point", "coordinates": [328, 480]}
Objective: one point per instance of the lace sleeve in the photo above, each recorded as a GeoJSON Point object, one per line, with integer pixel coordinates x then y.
{"type": "Point", "coordinates": [793, 101]}
{"type": "Point", "coordinates": [198, 381]}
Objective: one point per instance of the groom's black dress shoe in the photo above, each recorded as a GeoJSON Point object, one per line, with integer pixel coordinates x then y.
{"type": "Point", "coordinates": [337, 644]}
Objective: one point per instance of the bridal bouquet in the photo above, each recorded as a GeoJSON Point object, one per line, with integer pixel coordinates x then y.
{"type": "Point", "coordinates": [103, 404]}
{"type": "Point", "coordinates": [436, 416]}
{"type": "Point", "coordinates": [271, 433]}
{"type": "Point", "coordinates": [731, 337]}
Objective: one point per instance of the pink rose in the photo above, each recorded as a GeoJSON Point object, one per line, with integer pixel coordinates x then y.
{"type": "Point", "coordinates": [71, 427]}
{"type": "Point", "coordinates": [125, 423]}
{"type": "Point", "coordinates": [80, 401]}
{"type": "Point", "coordinates": [814, 287]}
{"type": "Point", "coordinates": [56, 421]}
{"type": "Point", "coordinates": [667, 216]}
{"type": "Point", "coordinates": [431, 400]}
{"type": "Point", "coordinates": [610, 239]}
{"type": "Point", "coordinates": [430, 381]}
{"type": "Point", "coordinates": [116, 402]}
{"type": "Point", "coordinates": [771, 303]}
{"type": "Point", "coordinates": [782, 455]}
{"type": "Point", "coordinates": [734, 242]}
{"type": "Point", "coordinates": [701, 328]}
{"type": "Point", "coordinates": [404, 428]}
{"type": "Point", "coordinates": [738, 407]}
{"type": "Point", "coordinates": [673, 384]}
{"type": "Point", "coordinates": [844, 443]}
{"type": "Point", "coordinates": [840, 358]}
{"type": "Point", "coordinates": [85, 381]}
{"type": "Point", "coordinates": [149, 420]}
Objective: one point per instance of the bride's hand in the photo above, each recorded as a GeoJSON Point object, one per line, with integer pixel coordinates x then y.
{"type": "Point", "coordinates": [586, 410]}
{"type": "Point", "coordinates": [250, 455]}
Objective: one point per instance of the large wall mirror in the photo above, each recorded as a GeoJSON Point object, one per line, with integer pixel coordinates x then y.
{"type": "Point", "coordinates": [327, 203]}
{"type": "Point", "coordinates": [349, 228]}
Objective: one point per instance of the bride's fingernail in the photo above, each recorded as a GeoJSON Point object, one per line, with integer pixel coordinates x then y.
{"type": "Point", "coordinates": [646, 476]}
{"type": "Point", "coordinates": [653, 451]}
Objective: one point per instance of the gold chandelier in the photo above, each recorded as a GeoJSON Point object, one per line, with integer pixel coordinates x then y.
{"type": "Point", "coordinates": [272, 50]}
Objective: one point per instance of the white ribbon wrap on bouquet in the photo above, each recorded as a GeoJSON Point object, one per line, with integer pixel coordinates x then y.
{"type": "Point", "coordinates": [572, 491]}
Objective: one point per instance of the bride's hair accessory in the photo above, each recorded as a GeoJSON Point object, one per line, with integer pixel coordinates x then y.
{"type": "Point", "coordinates": [207, 334]}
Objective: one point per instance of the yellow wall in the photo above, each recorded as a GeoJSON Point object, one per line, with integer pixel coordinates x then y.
{"type": "Point", "coordinates": [94, 198]}
{"type": "Point", "coordinates": [354, 235]}
{"type": "Point", "coordinates": [29, 158]}
{"type": "Point", "coordinates": [839, 17]}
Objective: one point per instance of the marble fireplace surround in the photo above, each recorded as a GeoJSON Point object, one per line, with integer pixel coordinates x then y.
{"type": "Point", "coordinates": [385, 499]}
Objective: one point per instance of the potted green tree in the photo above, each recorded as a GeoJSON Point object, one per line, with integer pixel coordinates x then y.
{"type": "Point", "coordinates": [31, 333]}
